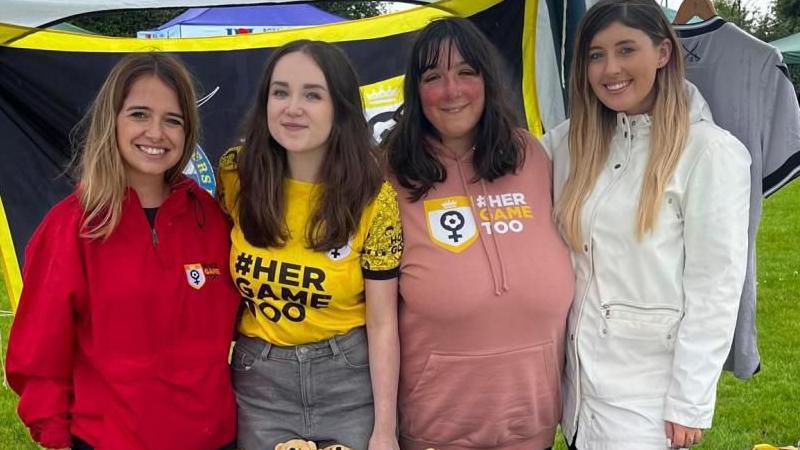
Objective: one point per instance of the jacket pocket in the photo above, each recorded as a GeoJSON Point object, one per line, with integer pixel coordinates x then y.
{"type": "Point", "coordinates": [632, 355]}
{"type": "Point", "coordinates": [655, 322]}
{"type": "Point", "coordinates": [484, 400]}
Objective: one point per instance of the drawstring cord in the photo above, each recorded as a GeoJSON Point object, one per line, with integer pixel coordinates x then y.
{"type": "Point", "coordinates": [498, 252]}
{"type": "Point", "coordinates": [475, 213]}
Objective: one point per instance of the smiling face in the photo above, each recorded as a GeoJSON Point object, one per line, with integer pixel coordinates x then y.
{"type": "Point", "coordinates": [622, 66]}
{"type": "Point", "coordinates": [150, 131]}
{"type": "Point", "coordinates": [452, 98]}
{"type": "Point", "coordinates": [299, 106]}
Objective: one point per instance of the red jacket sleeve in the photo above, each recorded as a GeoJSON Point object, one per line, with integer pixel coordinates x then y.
{"type": "Point", "coordinates": [42, 340]}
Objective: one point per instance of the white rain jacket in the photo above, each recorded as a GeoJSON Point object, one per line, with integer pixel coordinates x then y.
{"type": "Point", "coordinates": [652, 319]}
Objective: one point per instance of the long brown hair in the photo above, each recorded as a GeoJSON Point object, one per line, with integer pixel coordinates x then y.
{"type": "Point", "coordinates": [98, 165]}
{"type": "Point", "coordinates": [592, 123]}
{"type": "Point", "coordinates": [499, 149]}
{"type": "Point", "coordinates": [350, 175]}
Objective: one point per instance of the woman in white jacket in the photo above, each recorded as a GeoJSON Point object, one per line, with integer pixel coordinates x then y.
{"type": "Point", "coordinates": [652, 198]}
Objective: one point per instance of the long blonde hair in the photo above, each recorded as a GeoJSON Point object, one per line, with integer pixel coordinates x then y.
{"type": "Point", "coordinates": [98, 165]}
{"type": "Point", "coordinates": [592, 123]}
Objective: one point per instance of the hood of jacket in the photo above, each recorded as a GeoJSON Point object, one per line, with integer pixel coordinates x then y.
{"type": "Point", "coordinates": [698, 107]}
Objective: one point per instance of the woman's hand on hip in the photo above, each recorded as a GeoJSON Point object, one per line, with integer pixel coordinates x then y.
{"type": "Point", "coordinates": [679, 436]}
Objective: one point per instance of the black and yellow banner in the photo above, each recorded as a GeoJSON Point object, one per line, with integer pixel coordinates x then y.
{"type": "Point", "coordinates": [48, 79]}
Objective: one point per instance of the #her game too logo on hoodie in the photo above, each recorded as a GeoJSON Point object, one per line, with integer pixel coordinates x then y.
{"type": "Point", "coordinates": [452, 226]}
{"type": "Point", "coordinates": [503, 213]}
{"type": "Point", "coordinates": [450, 222]}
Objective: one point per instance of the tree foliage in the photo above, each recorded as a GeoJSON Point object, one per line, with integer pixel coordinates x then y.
{"type": "Point", "coordinates": [125, 23]}
{"type": "Point", "coordinates": [787, 8]}
{"type": "Point", "coordinates": [741, 15]}
{"type": "Point", "coordinates": [352, 10]}
{"type": "Point", "coordinates": [783, 19]}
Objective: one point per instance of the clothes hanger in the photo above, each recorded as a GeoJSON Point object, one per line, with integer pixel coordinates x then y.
{"type": "Point", "coordinates": [703, 9]}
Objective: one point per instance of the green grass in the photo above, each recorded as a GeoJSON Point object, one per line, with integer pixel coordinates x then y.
{"type": "Point", "coordinates": [13, 435]}
{"type": "Point", "coordinates": [765, 409]}
{"type": "Point", "coordinates": [761, 410]}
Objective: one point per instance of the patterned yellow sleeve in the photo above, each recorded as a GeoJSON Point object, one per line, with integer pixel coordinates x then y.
{"type": "Point", "coordinates": [228, 180]}
{"type": "Point", "coordinates": [380, 259]}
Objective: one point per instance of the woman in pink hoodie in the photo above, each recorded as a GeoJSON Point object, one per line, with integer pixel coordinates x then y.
{"type": "Point", "coordinates": [485, 279]}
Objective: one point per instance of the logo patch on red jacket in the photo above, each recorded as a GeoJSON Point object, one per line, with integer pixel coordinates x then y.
{"type": "Point", "coordinates": [195, 275]}
{"type": "Point", "coordinates": [198, 273]}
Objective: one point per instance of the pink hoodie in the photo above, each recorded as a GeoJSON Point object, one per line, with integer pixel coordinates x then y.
{"type": "Point", "coordinates": [486, 284]}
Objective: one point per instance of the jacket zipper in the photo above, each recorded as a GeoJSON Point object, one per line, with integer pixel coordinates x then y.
{"type": "Point", "coordinates": [642, 307]}
{"type": "Point", "coordinates": [155, 237]}
{"type": "Point", "coordinates": [606, 307]}
{"type": "Point", "coordinates": [590, 252]}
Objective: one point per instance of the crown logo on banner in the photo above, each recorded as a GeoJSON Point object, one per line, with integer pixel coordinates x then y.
{"type": "Point", "coordinates": [383, 95]}
{"type": "Point", "coordinates": [449, 204]}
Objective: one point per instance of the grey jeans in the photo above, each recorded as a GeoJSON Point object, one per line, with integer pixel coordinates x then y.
{"type": "Point", "coordinates": [319, 392]}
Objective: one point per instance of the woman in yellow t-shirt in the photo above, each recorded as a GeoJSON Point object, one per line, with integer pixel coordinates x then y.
{"type": "Point", "coordinates": [315, 251]}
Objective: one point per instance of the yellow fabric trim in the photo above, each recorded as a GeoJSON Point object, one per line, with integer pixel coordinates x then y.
{"type": "Point", "coordinates": [8, 32]}
{"type": "Point", "coordinates": [370, 28]}
{"type": "Point", "coordinates": [11, 273]}
{"type": "Point", "coordinates": [529, 95]}
{"type": "Point", "coordinates": [465, 8]}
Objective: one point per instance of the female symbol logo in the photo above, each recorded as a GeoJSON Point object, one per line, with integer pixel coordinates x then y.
{"type": "Point", "coordinates": [450, 222]}
{"type": "Point", "coordinates": [195, 275]}
{"type": "Point", "coordinates": [453, 221]}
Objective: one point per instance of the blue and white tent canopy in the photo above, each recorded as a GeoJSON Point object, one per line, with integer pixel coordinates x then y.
{"type": "Point", "coordinates": [35, 13]}
{"type": "Point", "coordinates": [231, 20]}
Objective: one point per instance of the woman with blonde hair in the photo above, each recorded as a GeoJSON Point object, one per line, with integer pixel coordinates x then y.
{"type": "Point", "coordinates": [124, 324]}
{"type": "Point", "coordinates": [652, 198]}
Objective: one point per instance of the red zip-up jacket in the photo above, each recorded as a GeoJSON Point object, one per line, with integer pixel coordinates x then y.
{"type": "Point", "coordinates": [124, 342]}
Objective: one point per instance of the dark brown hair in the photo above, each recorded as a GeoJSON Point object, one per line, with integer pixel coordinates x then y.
{"type": "Point", "coordinates": [499, 149]}
{"type": "Point", "coordinates": [350, 175]}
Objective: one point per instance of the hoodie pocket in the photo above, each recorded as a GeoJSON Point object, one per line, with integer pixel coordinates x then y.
{"type": "Point", "coordinates": [484, 400]}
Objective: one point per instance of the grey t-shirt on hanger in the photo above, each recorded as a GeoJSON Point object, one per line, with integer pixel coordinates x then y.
{"type": "Point", "coordinates": [748, 89]}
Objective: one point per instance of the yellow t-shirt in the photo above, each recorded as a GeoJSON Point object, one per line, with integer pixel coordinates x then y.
{"type": "Point", "coordinates": [295, 295]}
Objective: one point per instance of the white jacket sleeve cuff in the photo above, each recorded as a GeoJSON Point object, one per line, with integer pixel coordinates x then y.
{"type": "Point", "coordinates": [688, 414]}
